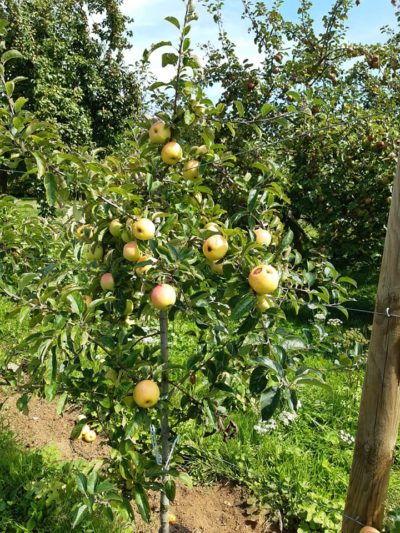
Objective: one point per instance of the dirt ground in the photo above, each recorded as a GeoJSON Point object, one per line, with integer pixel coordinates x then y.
{"type": "Point", "coordinates": [215, 509]}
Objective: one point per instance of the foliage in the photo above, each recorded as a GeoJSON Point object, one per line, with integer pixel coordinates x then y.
{"type": "Point", "coordinates": [323, 109]}
{"type": "Point", "coordinates": [74, 68]}
{"type": "Point", "coordinates": [37, 491]}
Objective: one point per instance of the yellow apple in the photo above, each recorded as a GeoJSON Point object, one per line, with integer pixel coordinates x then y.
{"type": "Point", "coordinates": [163, 296]}
{"type": "Point", "coordinates": [142, 270]}
{"type": "Point", "coordinates": [263, 303]}
{"type": "Point", "coordinates": [94, 253]}
{"type": "Point", "coordinates": [107, 282]}
{"type": "Point", "coordinates": [215, 247]}
{"type": "Point", "coordinates": [171, 153]}
{"type": "Point", "coordinates": [159, 132]}
{"type": "Point", "coordinates": [90, 436]}
{"type": "Point", "coordinates": [146, 393]}
{"type": "Point", "coordinates": [131, 251]}
{"type": "Point", "coordinates": [128, 400]}
{"type": "Point", "coordinates": [191, 169]}
{"type": "Point", "coordinates": [115, 228]}
{"type": "Point", "coordinates": [264, 279]}
{"type": "Point", "coordinates": [111, 375]}
{"type": "Point", "coordinates": [263, 236]}
{"type": "Point", "coordinates": [218, 268]}
{"type": "Point", "coordinates": [128, 307]}
{"type": "Point", "coordinates": [201, 150]}
{"type": "Point", "coordinates": [87, 299]}
{"type": "Point", "coordinates": [84, 431]}
{"type": "Point", "coordinates": [171, 518]}
{"type": "Point", "coordinates": [84, 232]}
{"type": "Point", "coordinates": [143, 229]}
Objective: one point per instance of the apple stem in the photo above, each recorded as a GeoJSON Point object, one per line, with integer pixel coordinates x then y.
{"type": "Point", "coordinates": [164, 502]}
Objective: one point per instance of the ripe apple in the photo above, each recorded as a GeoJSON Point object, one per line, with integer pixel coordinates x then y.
{"type": "Point", "coordinates": [90, 436]}
{"type": "Point", "coordinates": [128, 307]}
{"type": "Point", "coordinates": [215, 247]}
{"type": "Point", "coordinates": [263, 236]}
{"type": "Point", "coordinates": [191, 169]}
{"type": "Point", "coordinates": [159, 132]}
{"type": "Point", "coordinates": [146, 393]}
{"type": "Point", "coordinates": [84, 431]}
{"type": "Point", "coordinates": [171, 153]}
{"type": "Point", "coordinates": [142, 270]}
{"type": "Point", "coordinates": [369, 529]}
{"type": "Point", "coordinates": [264, 279]}
{"type": "Point", "coordinates": [84, 232]}
{"type": "Point", "coordinates": [94, 253]}
{"type": "Point", "coordinates": [171, 518]}
{"type": "Point", "coordinates": [202, 150]}
{"type": "Point", "coordinates": [143, 229]}
{"type": "Point", "coordinates": [87, 299]}
{"type": "Point", "coordinates": [115, 228]}
{"type": "Point", "coordinates": [263, 303]}
{"type": "Point", "coordinates": [131, 251]}
{"type": "Point", "coordinates": [107, 282]}
{"type": "Point", "coordinates": [163, 296]}
{"type": "Point", "coordinates": [218, 268]}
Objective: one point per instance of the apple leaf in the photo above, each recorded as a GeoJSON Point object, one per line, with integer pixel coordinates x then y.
{"type": "Point", "coordinates": [142, 502]}
{"type": "Point", "coordinates": [269, 402]}
{"type": "Point", "coordinates": [258, 380]}
{"type": "Point", "coordinates": [11, 54]}
{"type": "Point", "coordinates": [79, 515]}
{"type": "Point", "coordinates": [170, 489]}
{"type": "Point", "coordinates": [50, 184]}
{"type": "Point", "coordinates": [169, 58]}
{"type": "Point", "coordinates": [174, 21]}
{"type": "Point", "coordinates": [244, 306]}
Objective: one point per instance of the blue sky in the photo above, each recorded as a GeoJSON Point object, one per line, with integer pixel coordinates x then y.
{"type": "Point", "coordinates": [149, 26]}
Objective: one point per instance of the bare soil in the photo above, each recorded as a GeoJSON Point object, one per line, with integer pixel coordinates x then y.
{"type": "Point", "coordinates": [212, 509]}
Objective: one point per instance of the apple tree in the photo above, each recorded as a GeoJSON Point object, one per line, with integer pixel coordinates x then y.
{"type": "Point", "coordinates": [143, 244]}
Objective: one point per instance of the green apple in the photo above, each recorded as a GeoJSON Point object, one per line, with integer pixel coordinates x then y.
{"type": "Point", "coordinates": [201, 150]}
{"type": "Point", "coordinates": [115, 228]}
{"type": "Point", "coordinates": [191, 169]}
{"type": "Point", "coordinates": [143, 229]}
{"type": "Point", "coordinates": [146, 393]}
{"type": "Point", "coordinates": [215, 247]}
{"type": "Point", "coordinates": [171, 153]}
{"type": "Point", "coordinates": [159, 132]}
{"type": "Point", "coordinates": [163, 296]}
{"type": "Point", "coordinates": [128, 307]}
{"type": "Point", "coordinates": [264, 279]}
{"type": "Point", "coordinates": [218, 268]}
{"type": "Point", "coordinates": [94, 252]}
{"type": "Point", "coordinates": [131, 251]}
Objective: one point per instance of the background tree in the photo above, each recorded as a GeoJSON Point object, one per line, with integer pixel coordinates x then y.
{"type": "Point", "coordinates": [74, 67]}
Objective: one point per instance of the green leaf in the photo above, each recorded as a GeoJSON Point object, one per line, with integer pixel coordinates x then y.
{"type": "Point", "coordinates": [293, 342]}
{"type": "Point", "coordinates": [19, 103]}
{"type": "Point", "coordinates": [142, 502]}
{"type": "Point", "coordinates": [169, 58]}
{"type": "Point", "coordinates": [81, 482]}
{"type": "Point", "coordinates": [79, 515]}
{"type": "Point", "coordinates": [239, 107]}
{"type": "Point", "coordinates": [266, 108]}
{"type": "Point", "coordinates": [244, 306]}
{"type": "Point", "coordinates": [11, 54]}
{"type": "Point", "coordinates": [50, 184]}
{"type": "Point", "coordinates": [174, 21]}
{"type": "Point", "coordinates": [77, 303]}
{"type": "Point", "coordinates": [170, 489]}
{"type": "Point", "coordinates": [61, 403]}
{"type": "Point", "coordinates": [258, 380]}
{"type": "Point", "coordinates": [269, 402]}
{"type": "Point", "coordinates": [40, 163]}
{"type": "Point", "coordinates": [9, 86]}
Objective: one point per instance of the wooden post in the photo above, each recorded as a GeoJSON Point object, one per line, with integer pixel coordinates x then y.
{"type": "Point", "coordinates": [380, 402]}
{"type": "Point", "coordinates": [164, 502]}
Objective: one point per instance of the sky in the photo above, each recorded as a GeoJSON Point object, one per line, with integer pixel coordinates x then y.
{"type": "Point", "coordinates": [149, 25]}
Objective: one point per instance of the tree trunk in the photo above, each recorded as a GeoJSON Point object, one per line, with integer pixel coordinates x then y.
{"type": "Point", "coordinates": [380, 403]}
{"type": "Point", "coordinates": [164, 502]}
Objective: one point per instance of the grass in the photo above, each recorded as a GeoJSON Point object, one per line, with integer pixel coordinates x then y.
{"type": "Point", "coordinates": [298, 471]}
